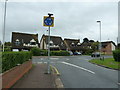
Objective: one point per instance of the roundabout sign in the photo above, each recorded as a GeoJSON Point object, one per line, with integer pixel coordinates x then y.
{"type": "Point", "coordinates": [48, 21]}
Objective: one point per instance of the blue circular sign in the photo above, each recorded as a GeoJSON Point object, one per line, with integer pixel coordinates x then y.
{"type": "Point", "coordinates": [48, 21]}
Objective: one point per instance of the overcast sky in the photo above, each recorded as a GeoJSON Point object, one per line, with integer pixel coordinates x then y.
{"type": "Point", "coordinates": [75, 20]}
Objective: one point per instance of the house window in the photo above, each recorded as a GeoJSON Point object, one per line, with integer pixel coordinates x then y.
{"type": "Point", "coordinates": [78, 44]}
{"type": "Point", "coordinates": [51, 43]}
{"type": "Point", "coordinates": [17, 42]}
{"type": "Point", "coordinates": [72, 44]}
{"type": "Point", "coordinates": [32, 42]}
{"type": "Point", "coordinates": [62, 43]}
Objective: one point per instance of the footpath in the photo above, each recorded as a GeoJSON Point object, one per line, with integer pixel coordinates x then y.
{"type": "Point", "coordinates": [36, 78]}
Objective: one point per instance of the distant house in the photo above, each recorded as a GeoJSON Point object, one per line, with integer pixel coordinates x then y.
{"type": "Point", "coordinates": [0, 43]}
{"type": "Point", "coordinates": [108, 47]}
{"type": "Point", "coordinates": [118, 45]}
{"type": "Point", "coordinates": [72, 44]}
{"type": "Point", "coordinates": [56, 43]}
{"type": "Point", "coordinates": [24, 41]}
{"type": "Point", "coordinates": [86, 45]}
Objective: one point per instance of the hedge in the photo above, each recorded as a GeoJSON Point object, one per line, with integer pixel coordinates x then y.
{"type": "Point", "coordinates": [59, 53]}
{"type": "Point", "coordinates": [12, 59]}
{"type": "Point", "coordinates": [39, 52]}
{"type": "Point", "coordinates": [116, 55]}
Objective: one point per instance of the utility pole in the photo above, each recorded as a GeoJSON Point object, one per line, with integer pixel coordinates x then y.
{"type": "Point", "coordinates": [4, 27]}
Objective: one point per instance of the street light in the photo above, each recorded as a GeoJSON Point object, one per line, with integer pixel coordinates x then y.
{"type": "Point", "coordinates": [100, 38]}
{"type": "Point", "coordinates": [4, 26]}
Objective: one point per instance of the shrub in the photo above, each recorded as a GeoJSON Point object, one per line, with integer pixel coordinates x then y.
{"type": "Point", "coordinates": [39, 52]}
{"type": "Point", "coordinates": [116, 55]}
{"type": "Point", "coordinates": [88, 52]}
{"type": "Point", "coordinates": [35, 51]}
{"type": "Point", "coordinates": [43, 52]}
{"type": "Point", "coordinates": [7, 49]}
{"type": "Point", "coordinates": [60, 53]}
{"type": "Point", "coordinates": [11, 59]}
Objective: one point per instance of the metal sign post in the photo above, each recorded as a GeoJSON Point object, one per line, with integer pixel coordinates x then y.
{"type": "Point", "coordinates": [48, 22]}
{"type": "Point", "coordinates": [49, 50]}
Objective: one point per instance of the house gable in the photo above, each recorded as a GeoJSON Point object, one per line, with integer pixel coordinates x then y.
{"type": "Point", "coordinates": [72, 44]}
{"type": "Point", "coordinates": [56, 42]}
{"type": "Point", "coordinates": [24, 40]}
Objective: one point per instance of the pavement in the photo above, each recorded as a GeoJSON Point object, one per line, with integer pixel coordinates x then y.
{"type": "Point", "coordinates": [77, 72]}
{"type": "Point", "coordinates": [36, 78]}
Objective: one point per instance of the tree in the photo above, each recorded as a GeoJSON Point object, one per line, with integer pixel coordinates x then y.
{"type": "Point", "coordinates": [95, 46]}
{"type": "Point", "coordinates": [8, 44]}
{"type": "Point", "coordinates": [86, 40]}
{"type": "Point", "coordinates": [91, 41]}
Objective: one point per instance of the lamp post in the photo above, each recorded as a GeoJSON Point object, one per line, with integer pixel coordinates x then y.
{"type": "Point", "coordinates": [4, 25]}
{"type": "Point", "coordinates": [100, 37]}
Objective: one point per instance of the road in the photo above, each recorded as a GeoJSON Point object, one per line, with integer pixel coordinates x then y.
{"type": "Point", "coordinates": [77, 72]}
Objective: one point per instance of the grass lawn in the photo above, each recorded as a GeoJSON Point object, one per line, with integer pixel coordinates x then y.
{"type": "Point", "coordinates": [107, 62]}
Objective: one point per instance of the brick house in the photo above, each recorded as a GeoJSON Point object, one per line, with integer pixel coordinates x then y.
{"type": "Point", "coordinates": [108, 47]}
{"type": "Point", "coordinates": [56, 43]}
{"type": "Point", "coordinates": [24, 41]}
{"type": "Point", "coordinates": [73, 44]}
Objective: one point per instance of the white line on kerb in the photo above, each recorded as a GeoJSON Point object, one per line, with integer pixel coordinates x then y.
{"type": "Point", "coordinates": [78, 67]}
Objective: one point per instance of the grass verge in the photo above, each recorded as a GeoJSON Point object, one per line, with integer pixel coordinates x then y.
{"type": "Point", "coordinates": [107, 62]}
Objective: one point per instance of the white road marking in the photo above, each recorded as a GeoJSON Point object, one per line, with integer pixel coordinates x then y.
{"type": "Point", "coordinates": [118, 83]}
{"type": "Point", "coordinates": [44, 62]}
{"type": "Point", "coordinates": [78, 67]}
{"type": "Point", "coordinates": [52, 62]}
{"type": "Point", "coordinates": [42, 59]}
{"type": "Point", "coordinates": [67, 59]}
{"type": "Point", "coordinates": [39, 62]}
{"type": "Point", "coordinates": [54, 58]}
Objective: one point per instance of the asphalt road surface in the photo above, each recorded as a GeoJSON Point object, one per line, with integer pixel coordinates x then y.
{"type": "Point", "coordinates": [77, 72]}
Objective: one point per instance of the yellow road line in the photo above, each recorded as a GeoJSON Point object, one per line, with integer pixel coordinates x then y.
{"type": "Point", "coordinates": [56, 70]}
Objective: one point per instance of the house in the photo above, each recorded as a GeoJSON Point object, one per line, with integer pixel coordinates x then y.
{"type": "Point", "coordinates": [24, 41]}
{"type": "Point", "coordinates": [107, 47]}
{"type": "Point", "coordinates": [86, 45]}
{"type": "Point", "coordinates": [72, 44]}
{"type": "Point", "coordinates": [56, 43]}
{"type": "Point", "coordinates": [0, 43]}
{"type": "Point", "coordinates": [118, 45]}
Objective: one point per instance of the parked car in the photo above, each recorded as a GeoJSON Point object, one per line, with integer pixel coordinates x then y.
{"type": "Point", "coordinates": [95, 54]}
{"type": "Point", "coordinates": [77, 53]}
{"type": "Point", "coordinates": [71, 53]}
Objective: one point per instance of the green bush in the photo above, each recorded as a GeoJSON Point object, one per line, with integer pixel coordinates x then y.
{"type": "Point", "coordinates": [88, 52]}
{"type": "Point", "coordinates": [39, 52]}
{"type": "Point", "coordinates": [35, 51]}
{"type": "Point", "coordinates": [59, 53]}
{"type": "Point", "coordinates": [11, 59]}
{"type": "Point", "coordinates": [7, 49]}
{"type": "Point", "coordinates": [116, 55]}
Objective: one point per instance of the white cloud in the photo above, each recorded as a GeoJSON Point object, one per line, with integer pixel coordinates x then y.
{"type": "Point", "coordinates": [72, 20]}
{"type": "Point", "coordinates": [62, 0]}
